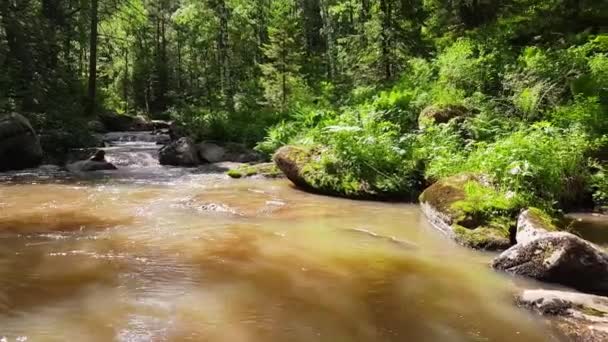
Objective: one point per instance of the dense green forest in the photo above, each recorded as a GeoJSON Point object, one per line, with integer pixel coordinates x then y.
{"type": "Point", "coordinates": [387, 95]}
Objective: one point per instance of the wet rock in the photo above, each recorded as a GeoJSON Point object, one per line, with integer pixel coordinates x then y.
{"type": "Point", "coordinates": [182, 152]}
{"type": "Point", "coordinates": [441, 114]}
{"type": "Point", "coordinates": [580, 317]}
{"type": "Point", "coordinates": [469, 210]}
{"type": "Point", "coordinates": [97, 162]}
{"type": "Point", "coordinates": [560, 258]}
{"type": "Point", "coordinates": [19, 145]}
{"type": "Point", "coordinates": [266, 170]}
{"type": "Point", "coordinates": [211, 153]}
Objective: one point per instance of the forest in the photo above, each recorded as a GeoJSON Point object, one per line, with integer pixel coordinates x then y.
{"type": "Point", "coordinates": [304, 170]}
{"type": "Point", "coordinates": [381, 97]}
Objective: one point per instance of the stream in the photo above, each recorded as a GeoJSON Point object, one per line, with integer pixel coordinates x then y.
{"type": "Point", "coordinates": [153, 253]}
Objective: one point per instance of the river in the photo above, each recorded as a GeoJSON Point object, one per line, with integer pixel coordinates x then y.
{"type": "Point", "coordinates": [151, 253]}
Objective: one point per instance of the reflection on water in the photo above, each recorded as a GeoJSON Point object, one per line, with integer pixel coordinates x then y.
{"type": "Point", "coordinates": [204, 258]}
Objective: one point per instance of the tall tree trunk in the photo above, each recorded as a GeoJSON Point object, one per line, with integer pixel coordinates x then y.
{"type": "Point", "coordinates": [385, 7]}
{"type": "Point", "coordinates": [328, 29]}
{"type": "Point", "coordinates": [93, 59]}
{"type": "Point", "coordinates": [224, 56]}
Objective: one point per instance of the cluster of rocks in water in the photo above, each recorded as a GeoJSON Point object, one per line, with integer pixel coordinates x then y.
{"type": "Point", "coordinates": [186, 152]}
{"type": "Point", "coordinates": [21, 147]}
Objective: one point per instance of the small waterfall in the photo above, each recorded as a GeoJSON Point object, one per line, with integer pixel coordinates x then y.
{"type": "Point", "coordinates": [134, 149]}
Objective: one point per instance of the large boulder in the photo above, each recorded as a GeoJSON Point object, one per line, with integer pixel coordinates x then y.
{"type": "Point", "coordinates": [19, 145]}
{"type": "Point", "coordinates": [97, 162]}
{"type": "Point", "coordinates": [211, 153]}
{"type": "Point", "coordinates": [579, 317]}
{"type": "Point", "coordinates": [468, 209]}
{"type": "Point", "coordinates": [555, 257]}
{"type": "Point", "coordinates": [318, 170]}
{"type": "Point", "coordinates": [441, 114]}
{"type": "Point", "coordinates": [182, 152]}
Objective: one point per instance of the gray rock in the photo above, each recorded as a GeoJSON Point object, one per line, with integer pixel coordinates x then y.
{"type": "Point", "coordinates": [182, 152]}
{"type": "Point", "coordinates": [96, 163]}
{"type": "Point", "coordinates": [560, 258]}
{"type": "Point", "coordinates": [580, 317]}
{"type": "Point", "coordinates": [211, 153]}
{"type": "Point", "coordinates": [532, 224]}
{"type": "Point", "coordinates": [19, 145]}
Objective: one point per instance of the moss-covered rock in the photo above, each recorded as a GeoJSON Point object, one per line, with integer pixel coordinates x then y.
{"type": "Point", "coordinates": [441, 114]}
{"type": "Point", "coordinates": [267, 170]}
{"type": "Point", "coordinates": [317, 170]}
{"type": "Point", "coordinates": [533, 223]}
{"type": "Point", "coordinates": [469, 209]}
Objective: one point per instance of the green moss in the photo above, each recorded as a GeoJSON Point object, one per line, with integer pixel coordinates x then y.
{"type": "Point", "coordinates": [269, 170]}
{"type": "Point", "coordinates": [481, 216]}
{"type": "Point", "coordinates": [542, 219]}
{"type": "Point", "coordinates": [234, 173]}
{"type": "Point", "coordinates": [487, 238]}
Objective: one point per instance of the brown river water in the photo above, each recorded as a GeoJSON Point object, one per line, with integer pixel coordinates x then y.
{"type": "Point", "coordinates": [157, 254]}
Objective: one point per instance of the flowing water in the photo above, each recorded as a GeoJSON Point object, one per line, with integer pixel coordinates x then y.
{"type": "Point", "coordinates": [148, 253]}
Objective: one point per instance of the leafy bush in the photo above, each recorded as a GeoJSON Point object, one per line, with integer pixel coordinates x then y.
{"type": "Point", "coordinates": [542, 163]}
{"type": "Point", "coordinates": [368, 160]}
{"type": "Point", "coordinates": [599, 186]}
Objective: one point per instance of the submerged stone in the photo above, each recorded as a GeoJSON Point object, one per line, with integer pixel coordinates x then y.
{"type": "Point", "coordinates": [580, 317]}
{"type": "Point", "coordinates": [266, 170]}
{"type": "Point", "coordinates": [467, 208]}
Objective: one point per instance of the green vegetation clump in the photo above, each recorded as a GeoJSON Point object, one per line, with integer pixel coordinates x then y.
{"type": "Point", "coordinates": [480, 215]}
{"type": "Point", "coordinates": [268, 170]}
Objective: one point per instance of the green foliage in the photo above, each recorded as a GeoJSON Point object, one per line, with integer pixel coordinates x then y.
{"type": "Point", "coordinates": [599, 186]}
{"type": "Point", "coordinates": [543, 162]}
